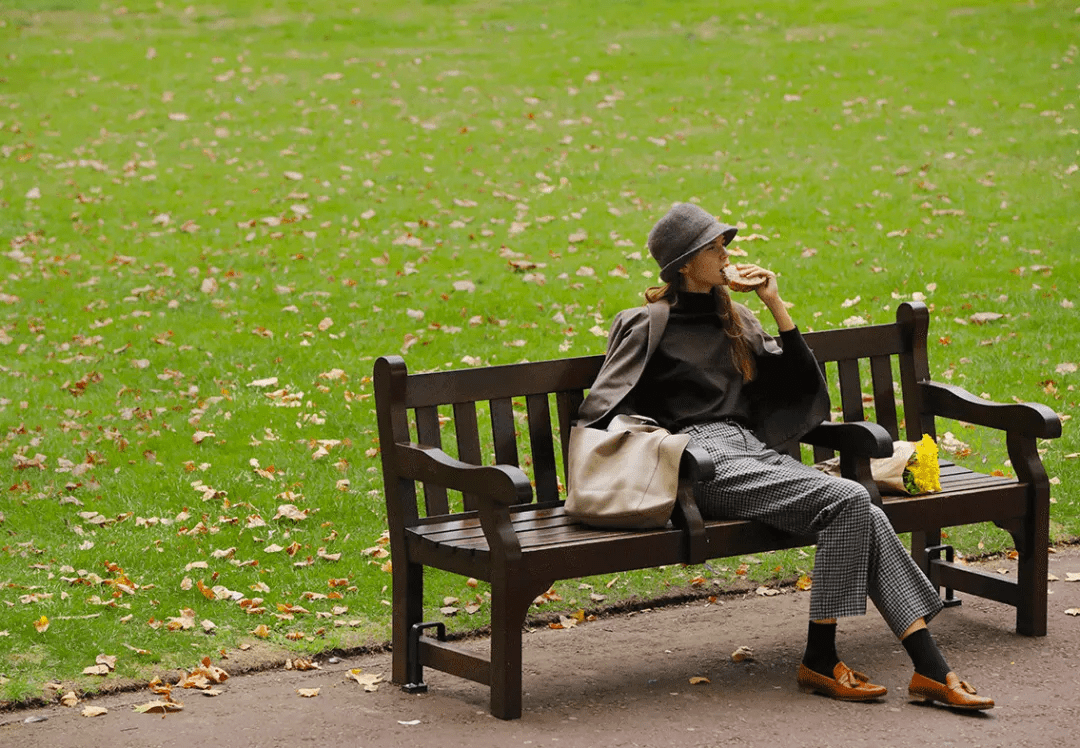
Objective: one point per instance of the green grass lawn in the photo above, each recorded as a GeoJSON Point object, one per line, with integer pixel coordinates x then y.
{"type": "Point", "coordinates": [215, 216]}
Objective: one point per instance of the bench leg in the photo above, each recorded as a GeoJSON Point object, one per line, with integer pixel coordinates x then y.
{"type": "Point", "coordinates": [509, 606]}
{"type": "Point", "coordinates": [1032, 537]}
{"type": "Point", "coordinates": [1032, 540]}
{"type": "Point", "coordinates": [408, 611]}
{"type": "Point", "coordinates": [920, 541]}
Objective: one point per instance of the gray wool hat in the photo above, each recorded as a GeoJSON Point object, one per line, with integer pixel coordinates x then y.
{"type": "Point", "coordinates": [682, 233]}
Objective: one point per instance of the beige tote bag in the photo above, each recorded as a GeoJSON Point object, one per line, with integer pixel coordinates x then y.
{"type": "Point", "coordinates": [626, 476]}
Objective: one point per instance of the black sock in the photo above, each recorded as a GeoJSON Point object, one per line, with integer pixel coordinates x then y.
{"type": "Point", "coordinates": [926, 656]}
{"type": "Point", "coordinates": [820, 655]}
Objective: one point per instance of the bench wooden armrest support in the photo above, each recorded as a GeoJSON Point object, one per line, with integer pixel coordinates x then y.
{"type": "Point", "coordinates": [1027, 419]}
{"type": "Point", "coordinates": [864, 438]}
{"type": "Point", "coordinates": [503, 484]}
{"type": "Point", "coordinates": [857, 442]}
{"type": "Point", "coordinates": [494, 487]}
{"type": "Point", "coordinates": [695, 468]}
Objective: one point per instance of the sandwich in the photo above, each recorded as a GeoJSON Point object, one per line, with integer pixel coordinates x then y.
{"type": "Point", "coordinates": [736, 281]}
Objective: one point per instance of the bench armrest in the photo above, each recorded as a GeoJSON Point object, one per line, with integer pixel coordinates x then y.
{"type": "Point", "coordinates": [696, 465]}
{"type": "Point", "coordinates": [695, 468]}
{"type": "Point", "coordinates": [504, 484]}
{"type": "Point", "coordinates": [1027, 419]}
{"type": "Point", "coordinates": [863, 438]}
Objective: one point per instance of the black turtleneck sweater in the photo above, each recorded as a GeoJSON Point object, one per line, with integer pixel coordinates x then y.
{"type": "Point", "coordinates": [691, 377]}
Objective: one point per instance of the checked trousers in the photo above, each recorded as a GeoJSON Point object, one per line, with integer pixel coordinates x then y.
{"type": "Point", "coordinates": [858, 552]}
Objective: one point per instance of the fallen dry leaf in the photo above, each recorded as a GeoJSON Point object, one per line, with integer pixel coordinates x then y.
{"type": "Point", "coordinates": [69, 699]}
{"type": "Point", "coordinates": [268, 382]}
{"type": "Point", "coordinates": [94, 711]}
{"type": "Point", "coordinates": [699, 680]}
{"type": "Point", "coordinates": [308, 693]}
{"type": "Point", "coordinates": [42, 625]}
{"type": "Point", "coordinates": [1073, 612]}
{"type": "Point", "coordinates": [370, 681]}
{"type": "Point", "coordinates": [290, 511]}
{"type": "Point", "coordinates": [741, 654]}
{"type": "Point", "coordinates": [159, 707]}
{"type": "Point", "coordinates": [804, 583]}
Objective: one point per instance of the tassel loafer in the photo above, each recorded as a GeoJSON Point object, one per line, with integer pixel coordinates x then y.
{"type": "Point", "coordinates": [954, 693]}
{"type": "Point", "coordinates": [845, 685]}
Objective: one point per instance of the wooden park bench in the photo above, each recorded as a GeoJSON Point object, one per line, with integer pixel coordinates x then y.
{"type": "Point", "coordinates": [487, 447]}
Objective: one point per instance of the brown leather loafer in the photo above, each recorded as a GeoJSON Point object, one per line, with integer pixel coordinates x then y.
{"type": "Point", "coordinates": [845, 685]}
{"type": "Point", "coordinates": [954, 692]}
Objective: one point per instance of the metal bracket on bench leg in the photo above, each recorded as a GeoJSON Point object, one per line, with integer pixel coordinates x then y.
{"type": "Point", "coordinates": [934, 552]}
{"type": "Point", "coordinates": [416, 668]}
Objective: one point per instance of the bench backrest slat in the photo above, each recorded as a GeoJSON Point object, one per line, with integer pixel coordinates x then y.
{"type": "Point", "coordinates": [468, 441]}
{"type": "Point", "coordinates": [567, 403]}
{"type": "Point", "coordinates": [545, 472]}
{"type": "Point", "coordinates": [850, 389]}
{"type": "Point", "coordinates": [514, 380]}
{"type": "Point", "coordinates": [914, 368]}
{"type": "Point", "coordinates": [429, 433]}
{"type": "Point", "coordinates": [884, 394]}
{"type": "Point", "coordinates": [503, 431]}
{"type": "Point", "coordinates": [856, 342]}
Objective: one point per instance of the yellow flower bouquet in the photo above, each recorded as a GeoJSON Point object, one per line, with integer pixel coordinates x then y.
{"type": "Point", "coordinates": [912, 469]}
{"type": "Point", "coordinates": [922, 473]}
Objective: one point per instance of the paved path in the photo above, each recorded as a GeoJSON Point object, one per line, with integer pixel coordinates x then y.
{"type": "Point", "coordinates": [625, 681]}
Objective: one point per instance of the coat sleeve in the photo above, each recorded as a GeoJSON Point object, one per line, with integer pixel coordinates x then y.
{"type": "Point", "coordinates": [623, 363]}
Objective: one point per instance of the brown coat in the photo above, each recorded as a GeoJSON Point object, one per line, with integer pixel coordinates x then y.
{"type": "Point", "coordinates": [787, 399]}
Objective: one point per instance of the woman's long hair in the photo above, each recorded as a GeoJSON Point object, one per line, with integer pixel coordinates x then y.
{"type": "Point", "coordinates": [742, 356]}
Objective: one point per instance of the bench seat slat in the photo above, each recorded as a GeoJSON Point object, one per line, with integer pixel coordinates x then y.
{"type": "Point", "coordinates": [964, 493]}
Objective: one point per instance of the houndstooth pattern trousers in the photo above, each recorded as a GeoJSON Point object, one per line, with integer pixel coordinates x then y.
{"type": "Point", "coordinates": [858, 553]}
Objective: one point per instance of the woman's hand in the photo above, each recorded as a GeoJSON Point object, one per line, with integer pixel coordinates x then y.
{"type": "Point", "coordinates": [767, 291]}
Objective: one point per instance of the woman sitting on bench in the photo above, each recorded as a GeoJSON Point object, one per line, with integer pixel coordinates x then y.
{"type": "Point", "coordinates": [700, 364]}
